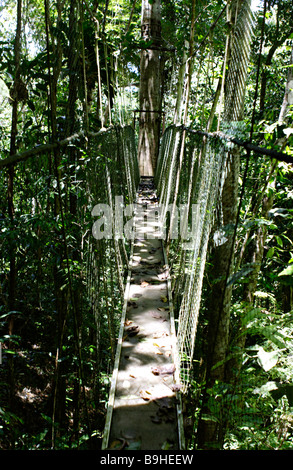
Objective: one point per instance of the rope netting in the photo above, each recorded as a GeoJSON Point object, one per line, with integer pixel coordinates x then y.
{"type": "Point", "coordinates": [190, 175]}
{"type": "Point", "coordinates": [54, 242]}
{"type": "Point", "coordinates": [112, 179]}
{"type": "Point", "coordinates": [195, 166]}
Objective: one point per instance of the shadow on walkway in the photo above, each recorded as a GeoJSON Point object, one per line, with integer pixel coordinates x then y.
{"type": "Point", "coordinates": [143, 405]}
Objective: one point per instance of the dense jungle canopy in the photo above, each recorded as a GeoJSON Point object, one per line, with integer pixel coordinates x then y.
{"type": "Point", "coordinates": [69, 70]}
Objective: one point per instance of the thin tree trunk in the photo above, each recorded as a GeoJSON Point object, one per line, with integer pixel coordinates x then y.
{"type": "Point", "coordinates": [277, 42]}
{"type": "Point", "coordinates": [288, 95]}
{"type": "Point", "coordinates": [180, 89]}
{"type": "Point", "coordinates": [74, 254]}
{"type": "Point", "coordinates": [185, 115]}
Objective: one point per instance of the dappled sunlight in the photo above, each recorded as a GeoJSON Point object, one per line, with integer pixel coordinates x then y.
{"type": "Point", "coordinates": [144, 392]}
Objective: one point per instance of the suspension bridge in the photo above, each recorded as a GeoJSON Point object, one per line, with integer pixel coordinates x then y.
{"type": "Point", "coordinates": [173, 212]}
{"type": "Point", "coordinates": [150, 373]}
{"type": "Point", "coordinates": [156, 230]}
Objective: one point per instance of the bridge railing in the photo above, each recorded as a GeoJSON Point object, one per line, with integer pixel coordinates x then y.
{"type": "Point", "coordinates": [190, 175]}
{"type": "Point", "coordinates": [59, 262]}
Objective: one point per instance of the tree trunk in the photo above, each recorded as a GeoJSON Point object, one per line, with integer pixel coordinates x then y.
{"type": "Point", "coordinates": [61, 295]}
{"type": "Point", "coordinates": [211, 426]}
{"type": "Point", "coordinates": [180, 88]}
{"type": "Point", "coordinates": [210, 430]}
{"type": "Point", "coordinates": [150, 88]}
{"type": "Point", "coordinates": [288, 95]}
{"type": "Point", "coordinates": [265, 74]}
{"type": "Point", "coordinates": [12, 273]}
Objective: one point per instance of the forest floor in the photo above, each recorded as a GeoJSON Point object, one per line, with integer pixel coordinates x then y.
{"type": "Point", "coordinates": [145, 407]}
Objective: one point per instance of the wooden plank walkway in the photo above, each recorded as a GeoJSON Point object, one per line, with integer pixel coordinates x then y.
{"type": "Point", "coordinates": [144, 409]}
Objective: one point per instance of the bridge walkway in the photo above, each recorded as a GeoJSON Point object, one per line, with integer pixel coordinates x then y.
{"type": "Point", "coordinates": [144, 409]}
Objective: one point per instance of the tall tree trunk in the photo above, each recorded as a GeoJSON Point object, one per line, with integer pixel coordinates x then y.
{"type": "Point", "coordinates": [287, 290]}
{"type": "Point", "coordinates": [265, 74]}
{"type": "Point", "coordinates": [180, 87]}
{"type": "Point", "coordinates": [61, 295]}
{"type": "Point", "coordinates": [210, 430]}
{"type": "Point", "coordinates": [212, 424]}
{"type": "Point", "coordinates": [150, 88]}
{"type": "Point", "coordinates": [16, 96]}
{"type": "Point", "coordinates": [74, 82]}
{"type": "Point", "coordinates": [189, 73]}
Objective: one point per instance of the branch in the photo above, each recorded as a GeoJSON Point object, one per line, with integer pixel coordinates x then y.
{"type": "Point", "coordinates": [46, 148]}
{"type": "Point", "coordinates": [281, 156]}
{"type": "Point", "coordinates": [41, 149]}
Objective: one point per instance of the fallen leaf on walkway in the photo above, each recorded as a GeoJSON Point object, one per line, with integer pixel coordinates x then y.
{"type": "Point", "coordinates": [145, 394]}
{"type": "Point", "coordinates": [164, 298]}
{"type": "Point", "coordinates": [132, 330]}
{"type": "Point", "coordinates": [160, 334]}
{"type": "Point", "coordinates": [156, 315]}
{"type": "Point", "coordinates": [118, 444]}
{"type": "Point", "coordinates": [159, 317]}
{"type": "Point", "coordinates": [144, 284]}
{"type": "Point", "coordinates": [176, 387]}
{"type": "Point", "coordinates": [163, 309]}
{"type": "Point", "coordinates": [134, 446]}
{"type": "Point", "coordinates": [131, 304]}
{"type": "Point", "coordinates": [167, 369]}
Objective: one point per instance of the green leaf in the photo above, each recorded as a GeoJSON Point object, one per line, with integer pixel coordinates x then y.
{"type": "Point", "coordinates": [286, 276]}
{"type": "Point", "coordinates": [287, 272]}
{"type": "Point", "coordinates": [279, 240]}
{"type": "Point", "coordinates": [242, 273]}
{"type": "Point", "coordinates": [271, 252]}
{"type": "Point", "coordinates": [12, 312]}
{"type": "Point", "coordinates": [270, 333]}
{"type": "Point", "coordinates": [251, 315]}
{"type": "Point", "coordinates": [134, 446]}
